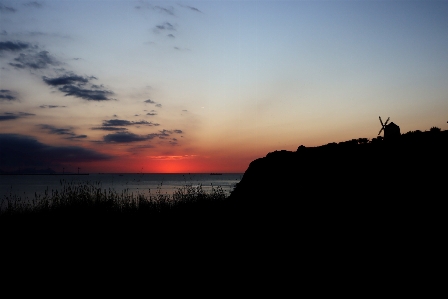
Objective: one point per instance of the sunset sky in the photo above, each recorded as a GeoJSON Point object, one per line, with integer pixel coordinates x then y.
{"type": "Point", "coordinates": [209, 86]}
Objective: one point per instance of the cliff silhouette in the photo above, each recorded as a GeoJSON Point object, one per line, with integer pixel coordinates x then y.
{"type": "Point", "coordinates": [375, 175]}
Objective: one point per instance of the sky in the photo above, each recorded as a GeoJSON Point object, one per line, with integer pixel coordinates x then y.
{"type": "Point", "coordinates": [209, 86]}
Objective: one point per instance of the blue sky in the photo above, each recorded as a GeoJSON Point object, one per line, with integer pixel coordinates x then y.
{"type": "Point", "coordinates": [172, 86]}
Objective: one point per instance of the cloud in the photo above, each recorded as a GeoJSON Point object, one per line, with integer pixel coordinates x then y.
{"type": "Point", "coordinates": [163, 10]}
{"type": "Point", "coordinates": [165, 26]}
{"type": "Point", "coordinates": [173, 141]}
{"type": "Point", "coordinates": [40, 60]}
{"type": "Point", "coordinates": [123, 122]}
{"type": "Point", "coordinates": [149, 101]}
{"type": "Point", "coordinates": [61, 131]}
{"type": "Point", "coordinates": [126, 137]}
{"type": "Point", "coordinates": [169, 10]}
{"type": "Point", "coordinates": [86, 94]}
{"type": "Point", "coordinates": [159, 105]}
{"type": "Point", "coordinates": [109, 128]}
{"type": "Point", "coordinates": [34, 4]}
{"type": "Point", "coordinates": [181, 49]}
{"type": "Point", "coordinates": [7, 95]}
{"type": "Point", "coordinates": [171, 36]}
{"type": "Point", "coordinates": [13, 46]}
{"type": "Point", "coordinates": [190, 8]}
{"type": "Point", "coordinates": [65, 80]}
{"type": "Point", "coordinates": [74, 85]}
{"type": "Point", "coordinates": [12, 116]}
{"type": "Point", "coordinates": [51, 106]}
{"type": "Point", "coordinates": [21, 151]}
{"type": "Point", "coordinates": [6, 8]}
{"type": "Point", "coordinates": [151, 113]}
{"type": "Point", "coordinates": [178, 131]}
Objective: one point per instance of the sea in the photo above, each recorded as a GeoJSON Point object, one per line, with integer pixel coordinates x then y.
{"type": "Point", "coordinates": [32, 186]}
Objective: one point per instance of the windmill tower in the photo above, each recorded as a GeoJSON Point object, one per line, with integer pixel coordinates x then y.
{"type": "Point", "coordinates": [391, 131]}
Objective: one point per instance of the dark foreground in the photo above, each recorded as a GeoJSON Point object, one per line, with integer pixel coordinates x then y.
{"type": "Point", "coordinates": [371, 214]}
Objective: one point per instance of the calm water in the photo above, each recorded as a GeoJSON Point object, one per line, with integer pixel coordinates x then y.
{"type": "Point", "coordinates": [28, 186]}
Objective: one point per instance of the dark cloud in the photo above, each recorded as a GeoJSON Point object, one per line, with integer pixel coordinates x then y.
{"type": "Point", "coordinates": [178, 131]}
{"type": "Point", "coordinates": [123, 122]}
{"type": "Point", "coordinates": [3, 32]}
{"type": "Point", "coordinates": [8, 117]}
{"type": "Point", "coordinates": [159, 105]}
{"type": "Point", "coordinates": [171, 36]}
{"type": "Point", "coordinates": [149, 101]}
{"type": "Point", "coordinates": [67, 132]}
{"type": "Point", "coordinates": [13, 46]}
{"type": "Point", "coordinates": [33, 4]}
{"type": "Point", "coordinates": [51, 106]}
{"type": "Point", "coordinates": [125, 137]}
{"type": "Point", "coordinates": [7, 95]}
{"type": "Point", "coordinates": [12, 116]}
{"type": "Point", "coordinates": [151, 113]}
{"type": "Point", "coordinates": [40, 60]}
{"type": "Point", "coordinates": [6, 8]}
{"type": "Point", "coordinates": [109, 128]}
{"type": "Point", "coordinates": [86, 93]}
{"type": "Point", "coordinates": [74, 85]}
{"type": "Point", "coordinates": [20, 151]}
{"type": "Point", "coordinates": [65, 80]}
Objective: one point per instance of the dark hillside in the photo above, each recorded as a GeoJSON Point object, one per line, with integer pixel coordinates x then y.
{"type": "Point", "coordinates": [388, 174]}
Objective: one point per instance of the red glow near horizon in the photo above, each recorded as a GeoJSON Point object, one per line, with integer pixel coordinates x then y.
{"type": "Point", "coordinates": [165, 164]}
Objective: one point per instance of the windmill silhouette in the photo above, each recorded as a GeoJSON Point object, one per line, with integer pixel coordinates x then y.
{"type": "Point", "coordinates": [383, 126]}
{"type": "Point", "coordinates": [391, 131]}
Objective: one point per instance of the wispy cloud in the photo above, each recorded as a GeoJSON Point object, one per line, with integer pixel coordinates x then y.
{"type": "Point", "coordinates": [149, 101]}
{"type": "Point", "coordinates": [4, 8]}
{"type": "Point", "coordinates": [40, 60]}
{"type": "Point", "coordinates": [34, 4]}
{"type": "Point", "coordinates": [190, 8]}
{"type": "Point", "coordinates": [7, 95]}
{"type": "Point", "coordinates": [180, 49]}
{"type": "Point", "coordinates": [13, 116]}
{"type": "Point", "coordinates": [51, 106]}
{"type": "Point", "coordinates": [164, 10]}
{"type": "Point", "coordinates": [107, 128]}
{"type": "Point", "coordinates": [68, 132]}
{"type": "Point", "coordinates": [123, 122]}
{"type": "Point", "coordinates": [165, 26]}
